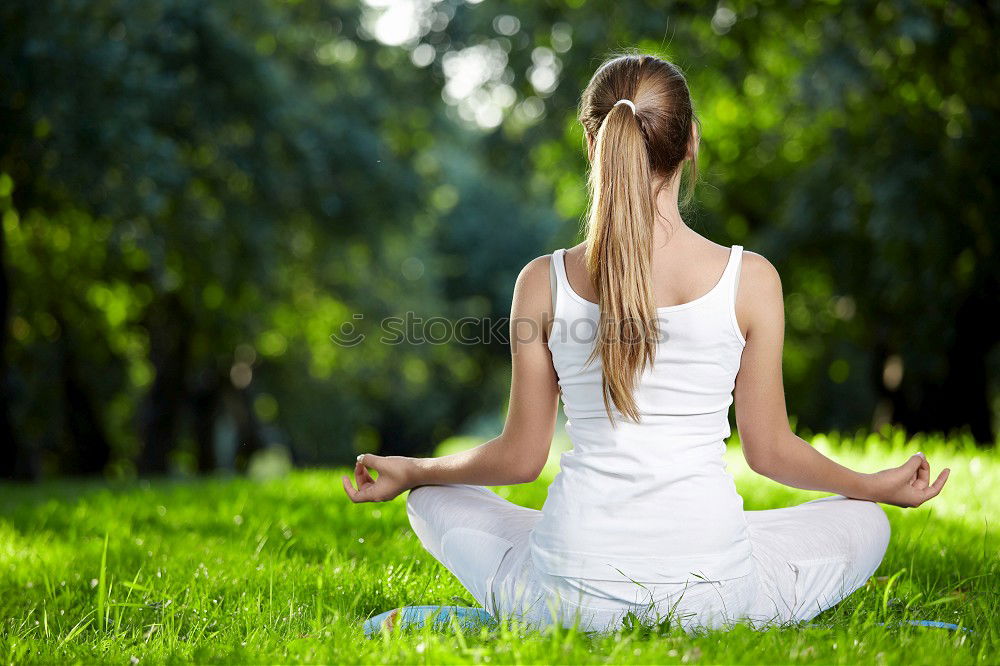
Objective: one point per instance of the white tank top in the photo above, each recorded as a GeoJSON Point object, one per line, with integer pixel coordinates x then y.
{"type": "Point", "coordinates": [651, 500]}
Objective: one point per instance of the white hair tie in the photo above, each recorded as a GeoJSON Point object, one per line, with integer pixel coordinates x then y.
{"type": "Point", "coordinates": [625, 101]}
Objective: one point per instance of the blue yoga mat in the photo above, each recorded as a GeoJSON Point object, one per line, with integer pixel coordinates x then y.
{"type": "Point", "coordinates": [418, 616]}
{"type": "Point", "coordinates": [913, 623]}
{"type": "Point", "coordinates": [927, 623]}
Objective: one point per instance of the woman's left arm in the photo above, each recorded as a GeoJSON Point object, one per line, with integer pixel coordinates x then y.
{"type": "Point", "coordinates": [520, 452]}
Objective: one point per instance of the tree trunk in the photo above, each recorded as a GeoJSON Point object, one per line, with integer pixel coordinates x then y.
{"type": "Point", "coordinates": [248, 436]}
{"type": "Point", "coordinates": [169, 344]}
{"type": "Point", "coordinates": [204, 408]}
{"type": "Point", "coordinates": [13, 464]}
{"type": "Point", "coordinates": [91, 450]}
{"type": "Point", "coordinates": [961, 399]}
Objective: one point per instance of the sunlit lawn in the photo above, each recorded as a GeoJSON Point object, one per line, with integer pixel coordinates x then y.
{"type": "Point", "coordinates": [287, 569]}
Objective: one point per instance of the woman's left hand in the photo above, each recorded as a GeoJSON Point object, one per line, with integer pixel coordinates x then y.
{"type": "Point", "coordinates": [394, 474]}
{"type": "Point", "coordinates": [908, 485]}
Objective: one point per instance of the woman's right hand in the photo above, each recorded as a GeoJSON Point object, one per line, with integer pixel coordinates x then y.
{"type": "Point", "coordinates": [394, 477]}
{"type": "Point", "coordinates": [907, 485]}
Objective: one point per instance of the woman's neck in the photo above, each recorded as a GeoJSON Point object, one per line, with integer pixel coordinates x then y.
{"type": "Point", "coordinates": [668, 220]}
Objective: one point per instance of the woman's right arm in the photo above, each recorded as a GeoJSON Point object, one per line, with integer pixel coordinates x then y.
{"type": "Point", "coordinates": [769, 445]}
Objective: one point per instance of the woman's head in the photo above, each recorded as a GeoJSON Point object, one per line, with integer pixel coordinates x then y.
{"type": "Point", "coordinates": [664, 113]}
{"type": "Point", "coordinates": [632, 155]}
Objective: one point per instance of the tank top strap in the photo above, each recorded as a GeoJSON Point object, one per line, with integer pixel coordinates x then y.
{"type": "Point", "coordinates": [553, 283]}
{"type": "Point", "coordinates": [560, 300]}
{"type": "Point", "coordinates": [559, 264]}
{"type": "Point", "coordinates": [731, 281]}
{"type": "Point", "coordinates": [731, 274]}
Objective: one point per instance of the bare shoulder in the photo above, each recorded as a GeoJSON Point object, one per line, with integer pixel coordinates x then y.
{"type": "Point", "coordinates": [532, 291]}
{"type": "Point", "coordinates": [759, 276]}
{"type": "Point", "coordinates": [760, 305]}
{"type": "Point", "coordinates": [534, 274]}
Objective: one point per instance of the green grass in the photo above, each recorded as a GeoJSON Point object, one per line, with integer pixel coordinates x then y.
{"type": "Point", "coordinates": [285, 570]}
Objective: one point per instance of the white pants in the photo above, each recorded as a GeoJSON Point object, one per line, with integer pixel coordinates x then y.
{"type": "Point", "coordinates": [805, 559]}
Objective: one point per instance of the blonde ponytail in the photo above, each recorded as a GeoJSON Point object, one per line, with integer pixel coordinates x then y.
{"type": "Point", "coordinates": [619, 257]}
{"type": "Point", "coordinates": [633, 142]}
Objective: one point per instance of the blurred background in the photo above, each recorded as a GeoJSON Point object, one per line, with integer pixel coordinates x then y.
{"type": "Point", "coordinates": [195, 196]}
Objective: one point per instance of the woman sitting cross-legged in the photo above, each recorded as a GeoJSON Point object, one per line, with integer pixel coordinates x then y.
{"type": "Point", "coordinates": [649, 332]}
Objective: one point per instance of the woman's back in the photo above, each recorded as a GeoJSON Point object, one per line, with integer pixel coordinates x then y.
{"type": "Point", "coordinates": [644, 496]}
{"type": "Point", "coordinates": [650, 499]}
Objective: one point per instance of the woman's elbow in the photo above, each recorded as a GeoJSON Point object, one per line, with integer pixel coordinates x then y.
{"type": "Point", "coordinates": [529, 468]}
{"type": "Point", "coordinates": [526, 473]}
{"type": "Point", "coordinates": [758, 457]}
{"type": "Point", "coordinates": [766, 451]}
{"type": "Point", "coordinates": [758, 463]}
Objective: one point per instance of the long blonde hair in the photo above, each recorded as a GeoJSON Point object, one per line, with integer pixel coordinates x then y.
{"type": "Point", "coordinates": [630, 149]}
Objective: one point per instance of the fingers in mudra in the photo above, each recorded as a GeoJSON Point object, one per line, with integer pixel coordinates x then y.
{"type": "Point", "coordinates": [923, 476]}
{"type": "Point", "coordinates": [921, 488]}
{"type": "Point", "coordinates": [389, 480]}
{"type": "Point", "coordinates": [362, 479]}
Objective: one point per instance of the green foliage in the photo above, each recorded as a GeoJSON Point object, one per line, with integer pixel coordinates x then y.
{"type": "Point", "coordinates": [850, 143]}
{"type": "Point", "coordinates": [287, 569]}
{"type": "Point", "coordinates": [190, 199]}
{"type": "Point", "coordinates": [195, 196]}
